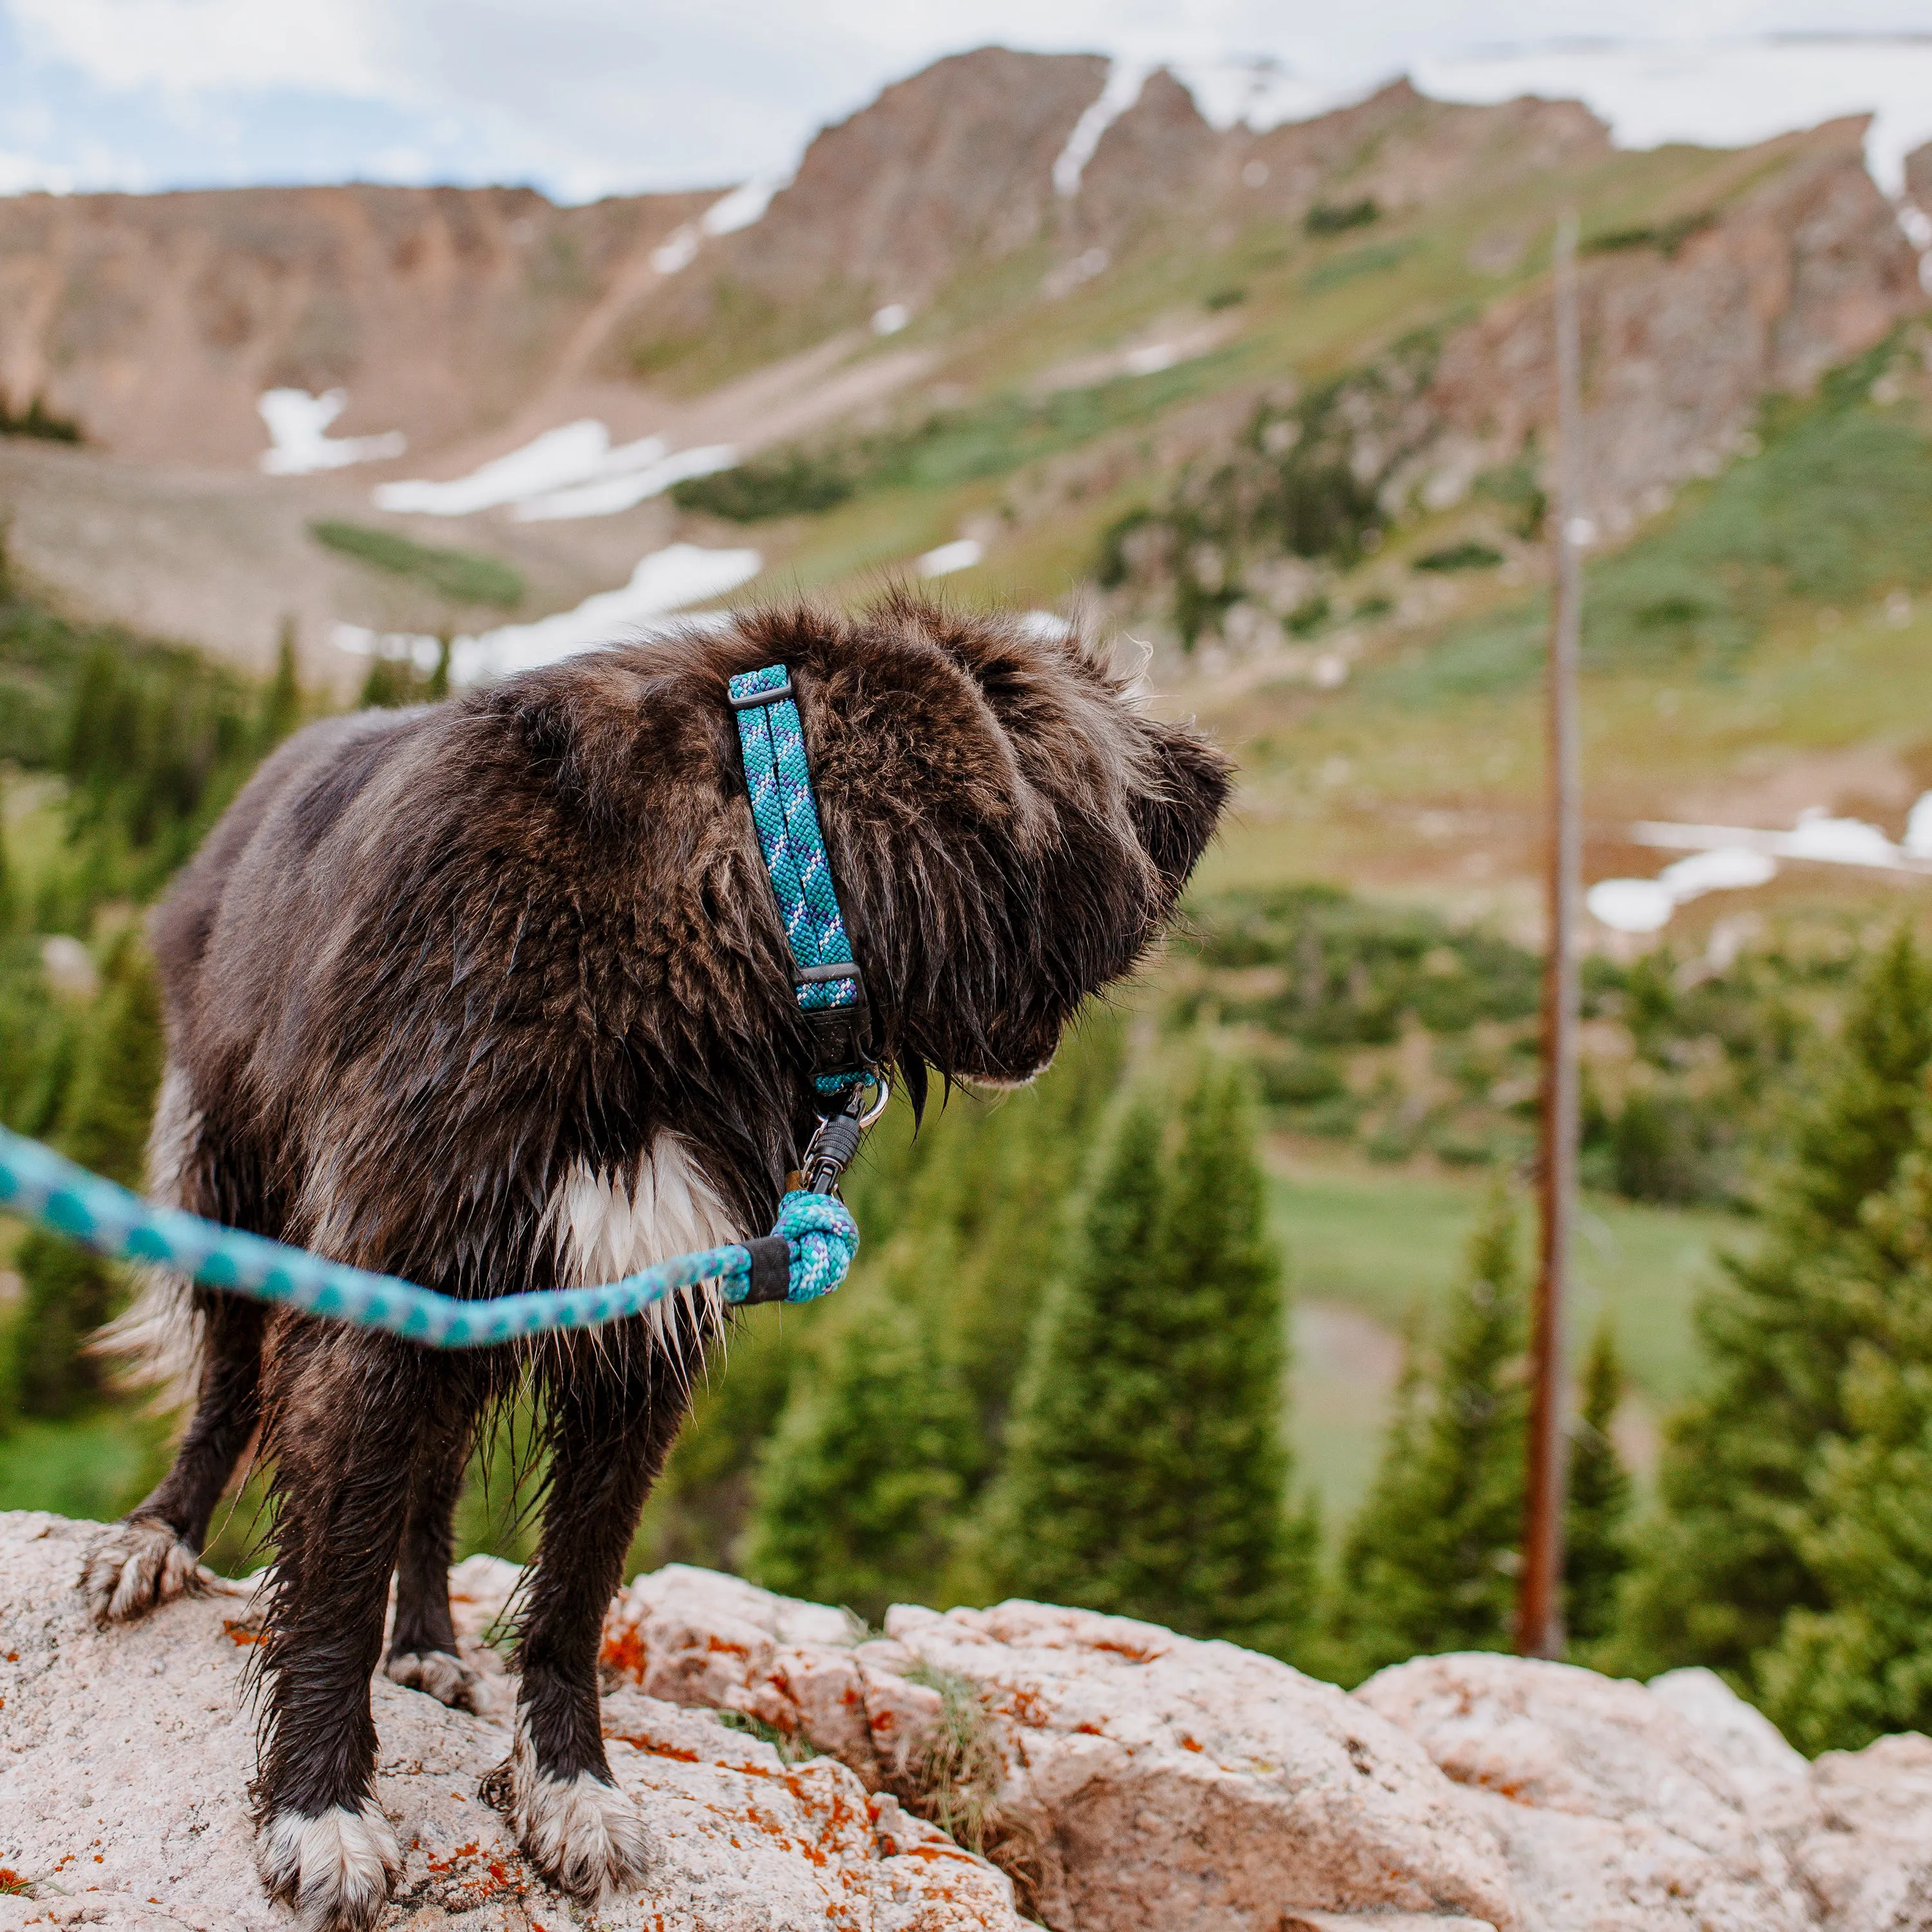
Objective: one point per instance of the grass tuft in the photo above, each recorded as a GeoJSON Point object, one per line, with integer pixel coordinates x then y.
{"type": "Point", "coordinates": [460, 575]}
{"type": "Point", "coordinates": [956, 1783]}
{"type": "Point", "coordinates": [1327, 217]}
{"type": "Point", "coordinates": [1468, 555]}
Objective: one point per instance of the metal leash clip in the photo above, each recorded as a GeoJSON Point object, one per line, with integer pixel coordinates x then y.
{"type": "Point", "coordinates": [831, 1147]}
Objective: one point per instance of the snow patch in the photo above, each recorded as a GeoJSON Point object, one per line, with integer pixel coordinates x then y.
{"type": "Point", "coordinates": [678, 250]}
{"type": "Point", "coordinates": [1645, 905]}
{"type": "Point", "coordinates": [1631, 905]}
{"type": "Point", "coordinates": [961, 555]}
{"type": "Point", "coordinates": [606, 496]}
{"type": "Point", "coordinates": [557, 457]}
{"type": "Point", "coordinates": [1729, 858]}
{"type": "Point", "coordinates": [742, 206]}
{"type": "Point", "coordinates": [1918, 840]}
{"type": "Point", "coordinates": [298, 444]}
{"type": "Point", "coordinates": [1721, 93]}
{"type": "Point", "coordinates": [570, 471]}
{"type": "Point", "coordinates": [725, 216]}
{"type": "Point", "coordinates": [1120, 90]}
{"type": "Point", "coordinates": [1057, 281]}
{"type": "Point", "coordinates": [665, 580]}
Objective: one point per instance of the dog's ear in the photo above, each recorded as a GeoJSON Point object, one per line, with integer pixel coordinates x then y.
{"type": "Point", "coordinates": [1176, 818]}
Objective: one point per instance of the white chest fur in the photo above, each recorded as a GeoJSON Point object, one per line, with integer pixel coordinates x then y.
{"type": "Point", "coordinates": [604, 1225]}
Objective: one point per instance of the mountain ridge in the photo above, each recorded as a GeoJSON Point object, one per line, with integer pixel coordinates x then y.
{"type": "Point", "coordinates": [927, 263]}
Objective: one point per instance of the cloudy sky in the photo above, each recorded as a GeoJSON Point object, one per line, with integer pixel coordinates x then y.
{"type": "Point", "coordinates": [588, 97]}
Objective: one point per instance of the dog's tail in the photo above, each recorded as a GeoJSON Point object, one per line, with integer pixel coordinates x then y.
{"type": "Point", "coordinates": [158, 1340]}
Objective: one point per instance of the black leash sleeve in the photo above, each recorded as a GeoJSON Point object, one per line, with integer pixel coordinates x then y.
{"type": "Point", "coordinates": [771, 1268]}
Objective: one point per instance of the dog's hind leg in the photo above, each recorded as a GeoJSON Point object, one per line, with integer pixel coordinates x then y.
{"type": "Point", "coordinates": [349, 1413]}
{"type": "Point", "coordinates": [186, 1338]}
{"type": "Point", "coordinates": [613, 1424]}
{"type": "Point", "coordinates": [423, 1654]}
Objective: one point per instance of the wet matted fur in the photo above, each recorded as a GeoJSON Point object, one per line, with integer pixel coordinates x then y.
{"type": "Point", "coordinates": [494, 996]}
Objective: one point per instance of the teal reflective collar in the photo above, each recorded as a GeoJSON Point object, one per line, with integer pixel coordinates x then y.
{"type": "Point", "coordinates": [831, 993]}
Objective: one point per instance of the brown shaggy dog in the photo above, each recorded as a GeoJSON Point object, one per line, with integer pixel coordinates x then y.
{"type": "Point", "coordinates": [494, 996]}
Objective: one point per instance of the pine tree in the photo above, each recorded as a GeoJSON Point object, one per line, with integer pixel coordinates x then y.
{"type": "Point", "coordinates": [963, 1221]}
{"type": "Point", "coordinates": [281, 705]}
{"type": "Point", "coordinates": [1147, 1473]}
{"type": "Point", "coordinates": [1596, 1521]}
{"type": "Point", "coordinates": [1858, 1664]}
{"type": "Point", "coordinates": [1250, 1571]}
{"type": "Point", "coordinates": [1430, 1564]}
{"type": "Point", "coordinates": [1722, 1566]}
{"type": "Point", "coordinates": [858, 1488]}
{"type": "Point", "coordinates": [391, 683]}
{"type": "Point", "coordinates": [68, 1292]}
{"type": "Point", "coordinates": [981, 1192]}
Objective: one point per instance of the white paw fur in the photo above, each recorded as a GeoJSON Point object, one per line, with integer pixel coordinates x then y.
{"type": "Point", "coordinates": [583, 1835]}
{"type": "Point", "coordinates": [438, 1674]}
{"type": "Point", "coordinates": [335, 1869]}
{"type": "Point", "coordinates": [143, 1564]}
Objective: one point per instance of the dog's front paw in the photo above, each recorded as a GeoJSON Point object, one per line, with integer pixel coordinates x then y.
{"type": "Point", "coordinates": [143, 1564]}
{"type": "Point", "coordinates": [583, 1835]}
{"type": "Point", "coordinates": [438, 1674]}
{"type": "Point", "coordinates": [335, 1868]}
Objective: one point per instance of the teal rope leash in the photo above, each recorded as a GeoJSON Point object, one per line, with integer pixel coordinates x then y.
{"type": "Point", "coordinates": [819, 1235]}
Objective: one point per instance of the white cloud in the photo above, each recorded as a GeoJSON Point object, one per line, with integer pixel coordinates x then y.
{"type": "Point", "coordinates": [21, 174]}
{"type": "Point", "coordinates": [1722, 93]}
{"type": "Point", "coordinates": [589, 96]}
{"type": "Point", "coordinates": [210, 46]}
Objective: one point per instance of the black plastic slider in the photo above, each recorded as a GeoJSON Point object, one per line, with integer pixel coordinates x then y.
{"type": "Point", "coordinates": [771, 1268]}
{"type": "Point", "coordinates": [751, 700]}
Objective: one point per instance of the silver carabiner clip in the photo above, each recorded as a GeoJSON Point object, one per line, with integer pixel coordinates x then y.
{"type": "Point", "coordinates": [837, 1140]}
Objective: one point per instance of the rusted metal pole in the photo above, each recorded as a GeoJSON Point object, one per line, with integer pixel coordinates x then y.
{"type": "Point", "coordinates": [1539, 1622]}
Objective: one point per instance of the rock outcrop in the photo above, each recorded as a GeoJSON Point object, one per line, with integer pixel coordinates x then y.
{"type": "Point", "coordinates": [155, 321]}
{"type": "Point", "coordinates": [1129, 1779]}
{"type": "Point", "coordinates": [1687, 327]}
{"type": "Point", "coordinates": [1150, 1782]}
{"type": "Point", "coordinates": [1143, 1779]}
{"type": "Point", "coordinates": [125, 1757]}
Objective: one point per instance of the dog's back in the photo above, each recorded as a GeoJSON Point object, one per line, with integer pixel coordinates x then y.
{"type": "Point", "coordinates": [180, 929]}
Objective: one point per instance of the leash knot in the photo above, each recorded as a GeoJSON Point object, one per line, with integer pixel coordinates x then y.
{"type": "Point", "coordinates": [821, 1237]}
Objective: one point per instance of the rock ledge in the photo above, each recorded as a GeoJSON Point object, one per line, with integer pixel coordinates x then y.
{"type": "Point", "coordinates": [1133, 1780]}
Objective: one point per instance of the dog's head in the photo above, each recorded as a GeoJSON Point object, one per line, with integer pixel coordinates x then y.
{"type": "Point", "coordinates": [1008, 832]}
